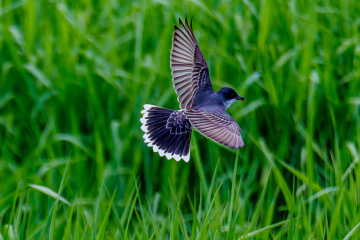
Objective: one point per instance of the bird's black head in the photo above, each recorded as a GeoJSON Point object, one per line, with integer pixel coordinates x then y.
{"type": "Point", "coordinates": [229, 96]}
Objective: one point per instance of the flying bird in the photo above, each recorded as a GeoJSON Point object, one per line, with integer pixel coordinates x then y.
{"type": "Point", "coordinates": [167, 131]}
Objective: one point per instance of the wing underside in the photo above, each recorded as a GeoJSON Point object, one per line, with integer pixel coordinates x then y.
{"type": "Point", "coordinates": [188, 66]}
{"type": "Point", "coordinates": [218, 126]}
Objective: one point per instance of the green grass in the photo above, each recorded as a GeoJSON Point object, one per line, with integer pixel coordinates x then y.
{"type": "Point", "coordinates": [75, 74]}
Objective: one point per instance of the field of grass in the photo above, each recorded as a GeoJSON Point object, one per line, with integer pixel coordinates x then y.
{"type": "Point", "coordinates": [75, 74]}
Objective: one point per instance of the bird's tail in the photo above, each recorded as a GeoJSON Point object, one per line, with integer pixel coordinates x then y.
{"type": "Point", "coordinates": [167, 131]}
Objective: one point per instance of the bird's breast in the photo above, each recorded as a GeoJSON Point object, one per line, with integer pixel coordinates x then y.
{"type": "Point", "coordinates": [206, 100]}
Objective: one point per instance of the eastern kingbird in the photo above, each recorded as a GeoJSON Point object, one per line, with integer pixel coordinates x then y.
{"type": "Point", "coordinates": [169, 131]}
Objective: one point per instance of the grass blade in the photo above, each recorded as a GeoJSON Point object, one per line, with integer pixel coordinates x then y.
{"type": "Point", "coordinates": [106, 218]}
{"type": "Point", "coordinates": [49, 192]}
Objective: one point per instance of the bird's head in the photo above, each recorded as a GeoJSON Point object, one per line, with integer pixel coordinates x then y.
{"type": "Point", "coordinates": [229, 96]}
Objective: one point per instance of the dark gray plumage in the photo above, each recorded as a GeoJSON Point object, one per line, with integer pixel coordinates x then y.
{"type": "Point", "coordinates": [169, 131]}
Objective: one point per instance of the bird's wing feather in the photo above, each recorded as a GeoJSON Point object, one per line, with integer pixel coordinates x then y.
{"type": "Point", "coordinates": [218, 126]}
{"type": "Point", "coordinates": [189, 70]}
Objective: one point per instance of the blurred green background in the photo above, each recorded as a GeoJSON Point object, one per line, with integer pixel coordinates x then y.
{"type": "Point", "coordinates": [75, 74]}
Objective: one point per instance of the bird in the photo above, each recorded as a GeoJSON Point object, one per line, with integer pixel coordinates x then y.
{"type": "Point", "coordinates": [168, 131]}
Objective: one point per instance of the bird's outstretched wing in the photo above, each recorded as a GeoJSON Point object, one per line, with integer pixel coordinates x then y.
{"type": "Point", "coordinates": [218, 126]}
{"type": "Point", "coordinates": [189, 70]}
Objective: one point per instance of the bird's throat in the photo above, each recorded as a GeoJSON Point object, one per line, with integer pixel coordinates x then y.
{"type": "Point", "coordinates": [229, 102]}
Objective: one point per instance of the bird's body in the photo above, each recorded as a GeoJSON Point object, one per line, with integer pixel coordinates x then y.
{"type": "Point", "coordinates": [210, 101]}
{"type": "Point", "coordinates": [169, 131]}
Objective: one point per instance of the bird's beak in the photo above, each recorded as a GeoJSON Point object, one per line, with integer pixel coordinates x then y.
{"type": "Point", "coordinates": [240, 98]}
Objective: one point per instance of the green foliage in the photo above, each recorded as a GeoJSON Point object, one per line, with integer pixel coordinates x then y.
{"type": "Point", "coordinates": [75, 74]}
